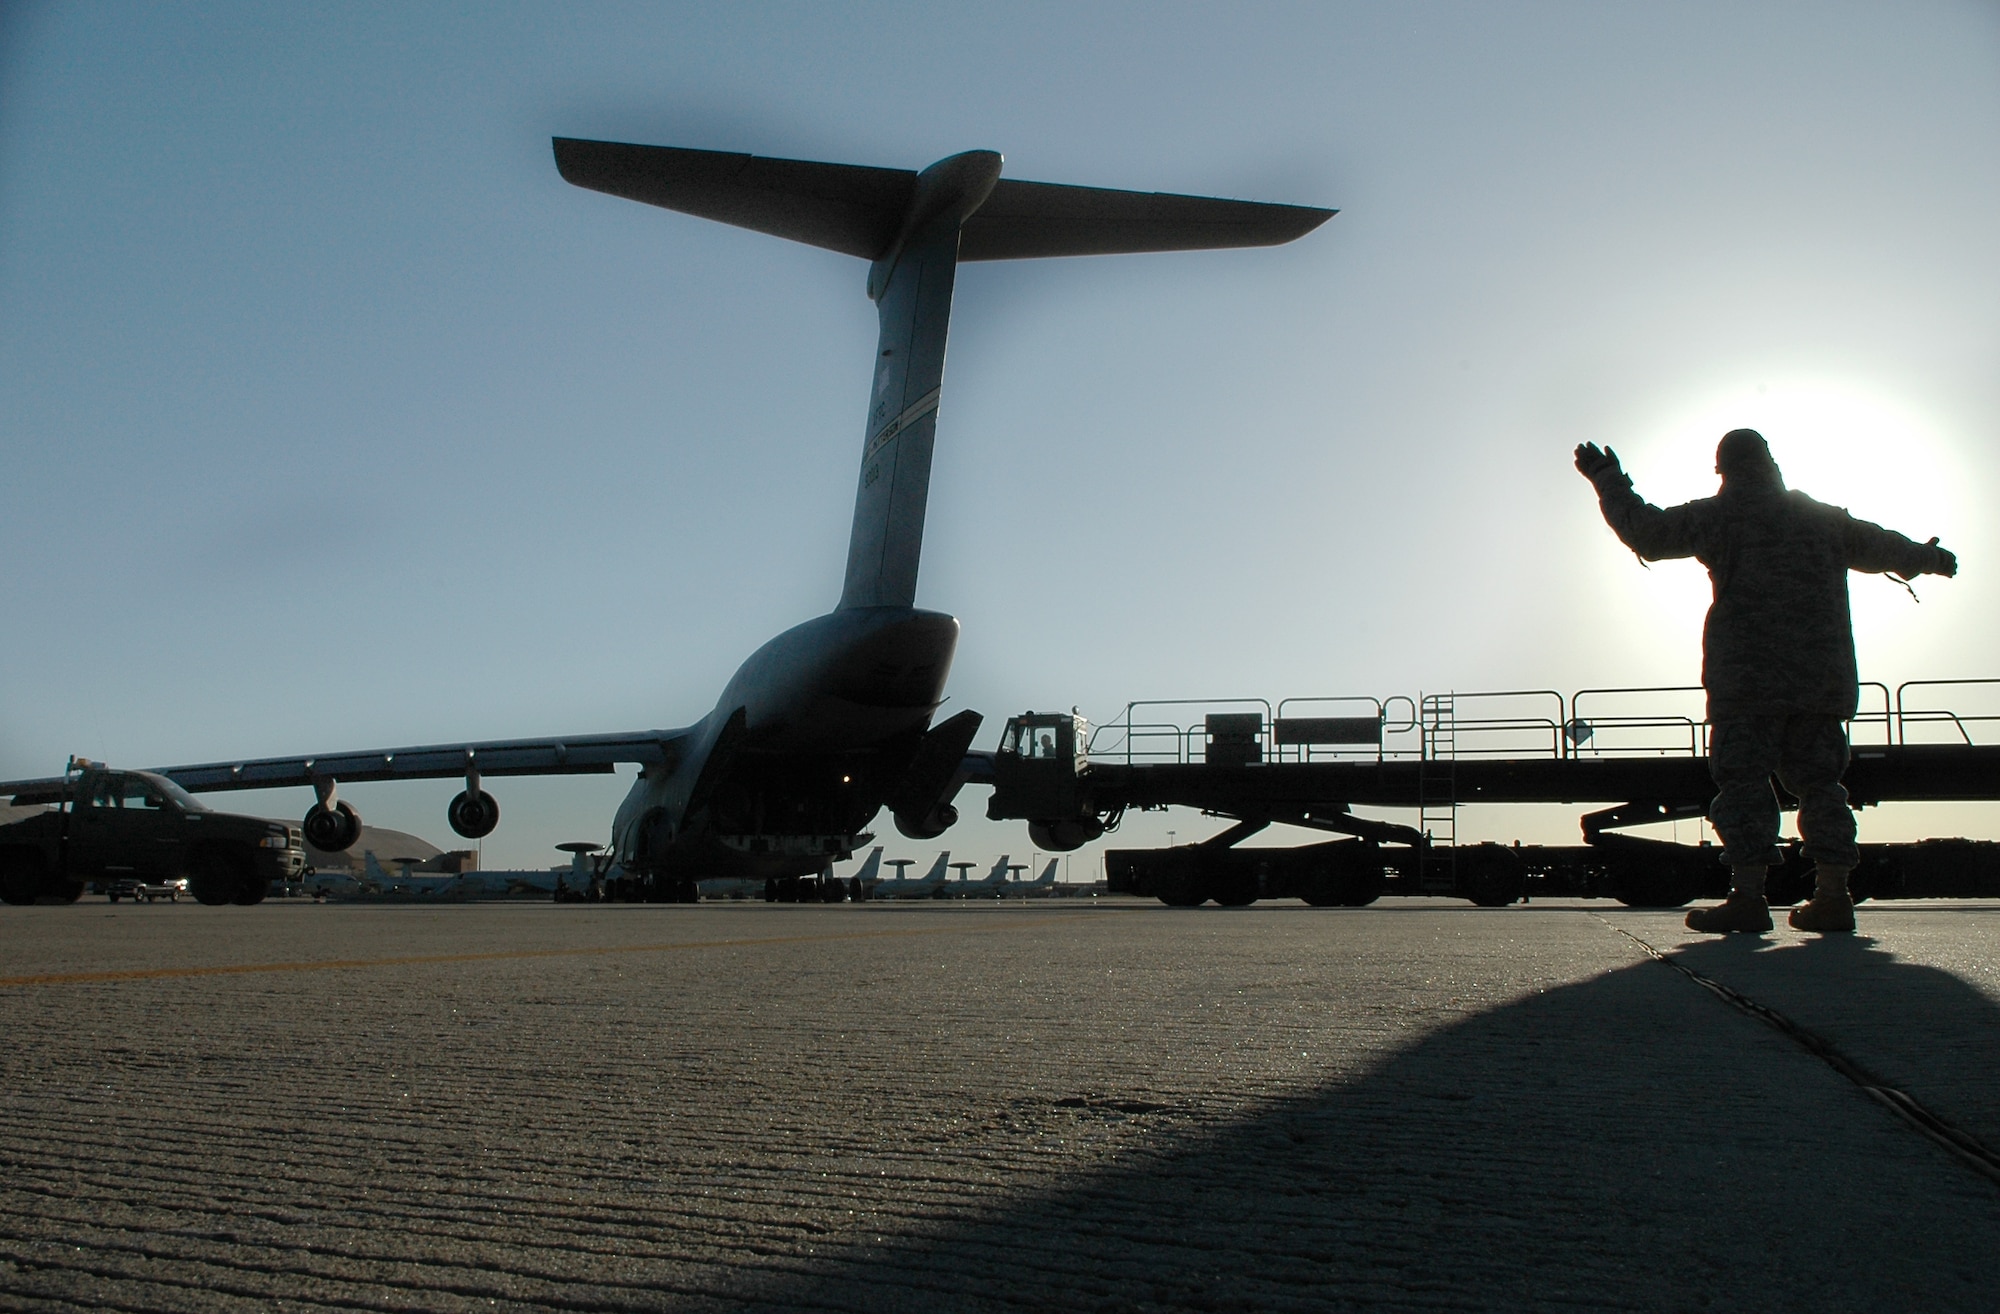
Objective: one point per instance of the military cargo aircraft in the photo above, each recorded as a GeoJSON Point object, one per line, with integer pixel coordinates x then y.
{"type": "Point", "coordinates": [831, 721]}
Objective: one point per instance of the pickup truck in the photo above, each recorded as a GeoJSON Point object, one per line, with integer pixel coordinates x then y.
{"type": "Point", "coordinates": [136, 888]}
{"type": "Point", "coordinates": [104, 825]}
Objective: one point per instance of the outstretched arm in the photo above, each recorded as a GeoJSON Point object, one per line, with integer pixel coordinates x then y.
{"type": "Point", "coordinates": [1654, 534]}
{"type": "Point", "coordinates": [1883, 551]}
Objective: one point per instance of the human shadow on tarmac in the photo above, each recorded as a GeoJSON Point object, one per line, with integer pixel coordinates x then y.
{"type": "Point", "coordinates": [1626, 1142]}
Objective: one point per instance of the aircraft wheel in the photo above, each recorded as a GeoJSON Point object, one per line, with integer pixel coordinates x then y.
{"type": "Point", "coordinates": [68, 891]}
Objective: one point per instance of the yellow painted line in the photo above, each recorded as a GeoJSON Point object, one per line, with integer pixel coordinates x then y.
{"type": "Point", "coordinates": [494, 956]}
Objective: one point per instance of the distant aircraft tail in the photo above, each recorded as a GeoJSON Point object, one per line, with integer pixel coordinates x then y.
{"type": "Point", "coordinates": [871, 870]}
{"type": "Point", "coordinates": [915, 228]}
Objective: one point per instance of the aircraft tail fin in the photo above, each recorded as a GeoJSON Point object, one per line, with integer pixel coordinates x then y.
{"type": "Point", "coordinates": [915, 228]}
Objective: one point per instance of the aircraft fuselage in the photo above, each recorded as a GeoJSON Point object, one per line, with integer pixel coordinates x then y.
{"type": "Point", "coordinates": [830, 713]}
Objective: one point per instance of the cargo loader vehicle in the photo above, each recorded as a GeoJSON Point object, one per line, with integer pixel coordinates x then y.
{"type": "Point", "coordinates": [1638, 755]}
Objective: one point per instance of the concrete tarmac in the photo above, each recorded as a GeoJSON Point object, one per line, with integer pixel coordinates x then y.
{"type": "Point", "coordinates": [1111, 1106]}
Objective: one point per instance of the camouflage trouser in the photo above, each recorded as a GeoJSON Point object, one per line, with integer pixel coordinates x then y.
{"type": "Point", "coordinates": [1809, 756]}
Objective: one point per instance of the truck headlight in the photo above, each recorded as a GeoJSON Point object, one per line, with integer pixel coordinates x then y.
{"type": "Point", "coordinates": [278, 841]}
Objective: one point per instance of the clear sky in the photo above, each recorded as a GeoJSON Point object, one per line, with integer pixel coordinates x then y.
{"type": "Point", "coordinates": [331, 418]}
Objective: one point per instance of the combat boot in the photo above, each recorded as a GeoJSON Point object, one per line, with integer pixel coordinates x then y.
{"type": "Point", "coordinates": [1739, 912]}
{"type": "Point", "coordinates": [1831, 909]}
{"type": "Point", "coordinates": [1827, 914]}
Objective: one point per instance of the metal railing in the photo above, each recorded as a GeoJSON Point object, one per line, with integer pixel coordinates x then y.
{"type": "Point", "coordinates": [1638, 721]}
{"type": "Point", "coordinates": [1943, 725]}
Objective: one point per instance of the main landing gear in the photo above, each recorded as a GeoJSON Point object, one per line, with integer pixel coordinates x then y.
{"type": "Point", "coordinates": [805, 889]}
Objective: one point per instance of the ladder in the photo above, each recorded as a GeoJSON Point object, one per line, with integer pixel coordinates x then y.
{"type": "Point", "coordinates": [1437, 795]}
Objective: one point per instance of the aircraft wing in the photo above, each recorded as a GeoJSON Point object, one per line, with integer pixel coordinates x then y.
{"type": "Point", "coordinates": [554, 756]}
{"type": "Point", "coordinates": [858, 209]}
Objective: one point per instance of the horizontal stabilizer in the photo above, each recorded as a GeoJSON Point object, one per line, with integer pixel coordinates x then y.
{"type": "Point", "coordinates": [848, 208]}
{"type": "Point", "coordinates": [1022, 220]}
{"type": "Point", "coordinates": [858, 210]}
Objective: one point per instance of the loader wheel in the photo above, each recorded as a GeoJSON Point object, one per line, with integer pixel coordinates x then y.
{"type": "Point", "coordinates": [1181, 886]}
{"type": "Point", "coordinates": [1645, 881]}
{"type": "Point", "coordinates": [1492, 875]}
{"type": "Point", "coordinates": [21, 877]}
{"type": "Point", "coordinates": [1352, 881]}
{"type": "Point", "coordinates": [1234, 890]}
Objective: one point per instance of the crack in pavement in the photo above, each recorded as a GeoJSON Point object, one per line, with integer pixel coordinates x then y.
{"type": "Point", "coordinates": [1956, 1141]}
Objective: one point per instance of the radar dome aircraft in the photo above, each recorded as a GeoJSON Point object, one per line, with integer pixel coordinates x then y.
{"type": "Point", "coordinates": [830, 721]}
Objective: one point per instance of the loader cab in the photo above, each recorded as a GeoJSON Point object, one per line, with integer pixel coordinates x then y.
{"type": "Point", "coordinates": [1038, 770]}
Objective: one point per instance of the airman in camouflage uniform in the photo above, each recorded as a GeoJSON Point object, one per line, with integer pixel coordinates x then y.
{"type": "Point", "coordinates": [1777, 660]}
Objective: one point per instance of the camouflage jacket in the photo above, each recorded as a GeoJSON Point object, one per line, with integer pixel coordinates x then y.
{"type": "Point", "coordinates": [1779, 637]}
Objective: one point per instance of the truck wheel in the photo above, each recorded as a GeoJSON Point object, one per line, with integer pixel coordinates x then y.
{"type": "Point", "coordinates": [21, 876]}
{"type": "Point", "coordinates": [216, 876]}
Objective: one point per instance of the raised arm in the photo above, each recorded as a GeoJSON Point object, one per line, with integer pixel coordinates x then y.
{"type": "Point", "coordinates": [1654, 534]}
